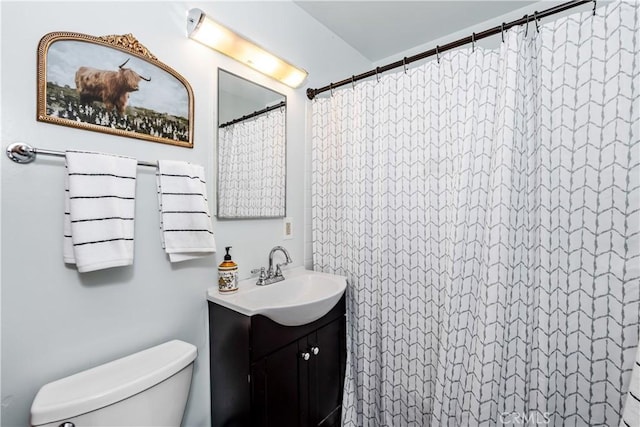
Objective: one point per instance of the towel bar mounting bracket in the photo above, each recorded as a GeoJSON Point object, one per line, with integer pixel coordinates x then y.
{"type": "Point", "coordinates": [21, 153]}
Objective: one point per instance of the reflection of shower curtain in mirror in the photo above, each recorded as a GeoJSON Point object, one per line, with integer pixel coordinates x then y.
{"type": "Point", "coordinates": [251, 161]}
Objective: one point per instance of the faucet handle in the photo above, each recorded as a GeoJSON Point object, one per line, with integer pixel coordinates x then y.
{"type": "Point", "coordinates": [261, 270]}
{"type": "Point", "coordinates": [279, 270]}
{"type": "Point", "coordinates": [262, 277]}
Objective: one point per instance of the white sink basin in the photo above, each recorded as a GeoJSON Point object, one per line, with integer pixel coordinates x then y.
{"type": "Point", "coordinates": [304, 296]}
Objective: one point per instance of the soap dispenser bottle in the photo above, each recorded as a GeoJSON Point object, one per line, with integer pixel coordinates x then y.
{"type": "Point", "coordinates": [227, 274]}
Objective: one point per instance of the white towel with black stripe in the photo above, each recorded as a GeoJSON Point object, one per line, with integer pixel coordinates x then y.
{"type": "Point", "coordinates": [631, 414]}
{"type": "Point", "coordinates": [184, 211]}
{"type": "Point", "coordinates": [99, 198]}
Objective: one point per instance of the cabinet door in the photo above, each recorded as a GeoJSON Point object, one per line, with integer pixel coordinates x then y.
{"type": "Point", "coordinates": [326, 372]}
{"type": "Point", "coordinates": [289, 390]}
{"type": "Point", "coordinates": [280, 388]}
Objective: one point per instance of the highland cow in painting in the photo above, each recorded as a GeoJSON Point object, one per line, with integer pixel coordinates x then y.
{"type": "Point", "coordinates": [112, 88]}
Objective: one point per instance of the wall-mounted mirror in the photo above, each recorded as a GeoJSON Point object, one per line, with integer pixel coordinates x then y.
{"type": "Point", "coordinates": [251, 149]}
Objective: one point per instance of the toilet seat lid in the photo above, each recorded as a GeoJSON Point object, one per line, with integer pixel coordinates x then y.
{"type": "Point", "coordinates": [112, 382]}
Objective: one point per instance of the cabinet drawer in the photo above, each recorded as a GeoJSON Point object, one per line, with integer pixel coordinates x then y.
{"type": "Point", "coordinates": [268, 336]}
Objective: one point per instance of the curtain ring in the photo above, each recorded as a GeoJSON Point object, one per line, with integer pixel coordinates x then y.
{"type": "Point", "coordinates": [331, 89]}
{"type": "Point", "coordinates": [378, 75]}
{"type": "Point", "coordinates": [595, 3]}
{"type": "Point", "coordinates": [473, 42]}
{"type": "Point", "coordinates": [535, 16]}
{"type": "Point", "coordinates": [502, 31]}
{"type": "Point", "coordinates": [438, 53]}
{"type": "Point", "coordinates": [404, 64]}
{"type": "Point", "coordinates": [526, 30]}
{"type": "Point", "coordinates": [353, 80]}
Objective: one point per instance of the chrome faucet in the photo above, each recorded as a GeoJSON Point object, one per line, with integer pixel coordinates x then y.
{"type": "Point", "coordinates": [268, 277]}
{"type": "Point", "coordinates": [278, 272]}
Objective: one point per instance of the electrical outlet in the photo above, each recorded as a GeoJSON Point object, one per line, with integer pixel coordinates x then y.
{"type": "Point", "coordinates": [288, 228]}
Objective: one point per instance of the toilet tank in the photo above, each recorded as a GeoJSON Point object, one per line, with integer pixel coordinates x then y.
{"type": "Point", "coordinates": [149, 388]}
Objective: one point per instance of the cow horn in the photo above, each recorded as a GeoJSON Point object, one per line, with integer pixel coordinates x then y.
{"type": "Point", "coordinates": [124, 63]}
{"type": "Point", "coordinates": [146, 79]}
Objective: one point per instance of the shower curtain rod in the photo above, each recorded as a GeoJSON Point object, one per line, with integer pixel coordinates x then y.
{"type": "Point", "coordinates": [536, 16]}
{"type": "Point", "coordinates": [254, 114]}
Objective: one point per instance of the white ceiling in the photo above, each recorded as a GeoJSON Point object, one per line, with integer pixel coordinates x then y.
{"type": "Point", "coordinates": [379, 29]}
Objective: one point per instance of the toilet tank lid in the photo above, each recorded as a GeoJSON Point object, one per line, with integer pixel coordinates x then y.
{"type": "Point", "coordinates": [112, 382]}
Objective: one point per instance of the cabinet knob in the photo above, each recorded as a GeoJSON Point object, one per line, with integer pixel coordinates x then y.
{"type": "Point", "coordinates": [305, 355]}
{"type": "Point", "coordinates": [67, 424]}
{"type": "Point", "coordinates": [315, 350]}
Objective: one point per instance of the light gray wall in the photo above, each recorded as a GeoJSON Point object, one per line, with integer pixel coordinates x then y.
{"type": "Point", "coordinates": [56, 321]}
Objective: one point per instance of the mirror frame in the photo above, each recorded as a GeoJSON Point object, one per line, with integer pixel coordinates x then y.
{"type": "Point", "coordinates": [217, 156]}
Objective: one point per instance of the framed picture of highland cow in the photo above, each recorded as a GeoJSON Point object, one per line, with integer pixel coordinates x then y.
{"type": "Point", "coordinates": [112, 84]}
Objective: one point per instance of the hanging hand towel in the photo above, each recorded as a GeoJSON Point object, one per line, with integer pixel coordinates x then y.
{"type": "Point", "coordinates": [99, 210]}
{"type": "Point", "coordinates": [631, 414]}
{"type": "Point", "coordinates": [184, 212]}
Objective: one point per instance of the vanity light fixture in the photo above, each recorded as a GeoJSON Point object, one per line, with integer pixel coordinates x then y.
{"type": "Point", "coordinates": [205, 30]}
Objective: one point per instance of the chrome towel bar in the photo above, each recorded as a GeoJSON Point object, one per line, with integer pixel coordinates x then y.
{"type": "Point", "coordinates": [20, 152]}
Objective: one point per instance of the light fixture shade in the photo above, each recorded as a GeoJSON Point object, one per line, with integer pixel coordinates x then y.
{"type": "Point", "coordinates": [205, 30]}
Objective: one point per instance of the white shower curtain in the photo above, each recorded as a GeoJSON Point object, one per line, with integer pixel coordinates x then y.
{"type": "Point", "coordinates": [485, 211]}
{"type": "Point", "coordinates": [251, 160]}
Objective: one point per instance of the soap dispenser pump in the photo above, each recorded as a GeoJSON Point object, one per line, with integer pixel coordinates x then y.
{"type": "Point", "coordinates": [227, 274]}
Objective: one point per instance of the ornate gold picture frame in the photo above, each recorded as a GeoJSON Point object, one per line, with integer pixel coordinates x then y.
{"type": "Point", "coordinates": [112, 84]}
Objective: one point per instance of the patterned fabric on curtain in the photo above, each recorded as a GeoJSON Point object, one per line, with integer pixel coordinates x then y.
{"type": "Point", "coordinates": [485, 211]}
{"type": "Point", "coordinates": [251, 158]}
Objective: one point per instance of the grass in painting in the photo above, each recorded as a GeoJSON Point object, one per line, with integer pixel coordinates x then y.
{"type": "Point", "coordinates": [64, 102]}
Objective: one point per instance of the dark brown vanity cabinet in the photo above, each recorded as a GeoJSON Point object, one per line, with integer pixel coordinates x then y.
{"type": "Point", "coordinates": [266, 374]}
